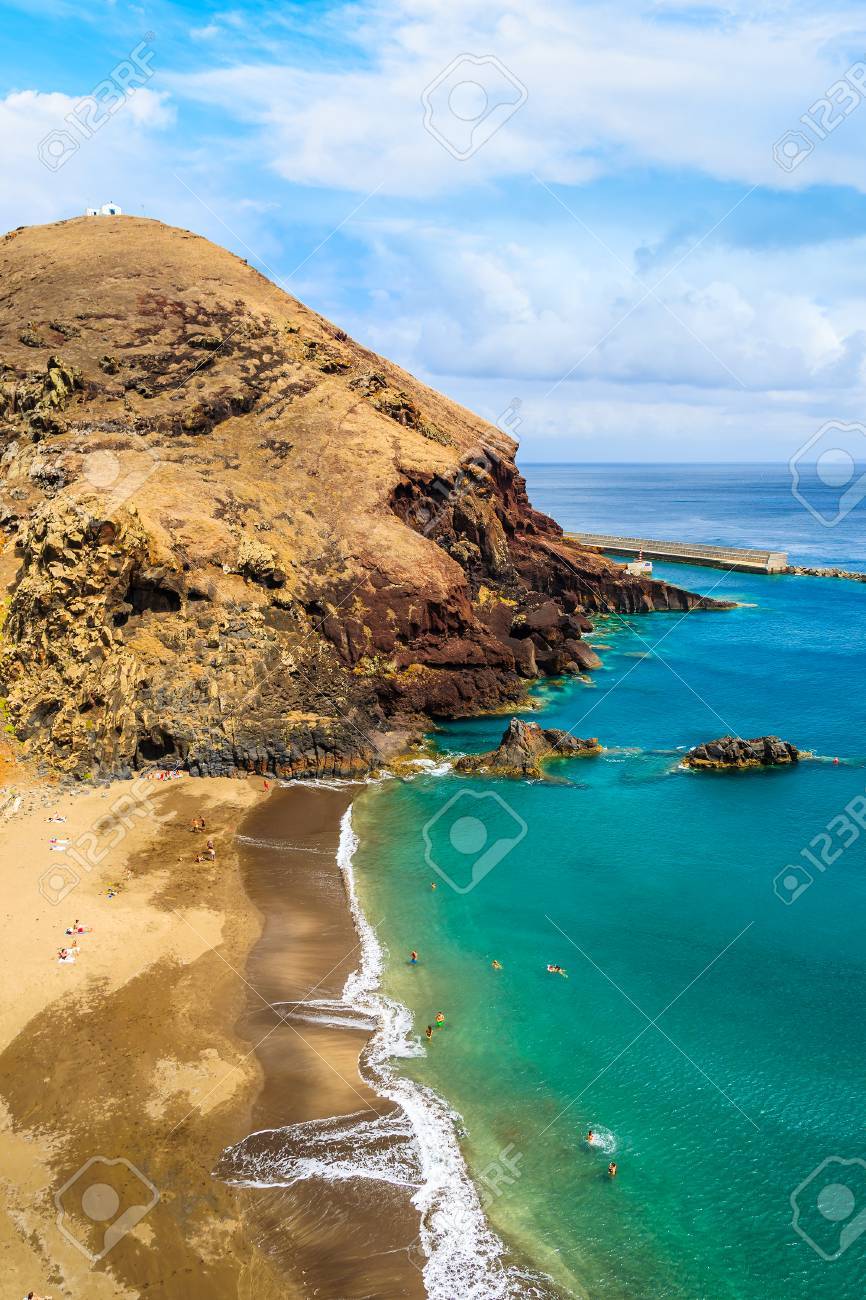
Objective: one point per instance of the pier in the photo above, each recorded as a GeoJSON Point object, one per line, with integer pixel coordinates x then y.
{"type": "Point", "coordinates": [716, 557]}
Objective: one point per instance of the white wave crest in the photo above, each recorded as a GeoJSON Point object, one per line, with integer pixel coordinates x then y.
{"type": "Point", "coordinates": [464, 1256]}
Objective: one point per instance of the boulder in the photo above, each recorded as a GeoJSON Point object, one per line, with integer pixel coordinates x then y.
{"type": "Point", "coordinates": [583, 655]}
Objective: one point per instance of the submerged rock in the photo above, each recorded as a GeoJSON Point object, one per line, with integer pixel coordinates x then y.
{"type": "Point", "coordinates": [731, 751]}
{"type": "Point", "coordinates": [524, 747]}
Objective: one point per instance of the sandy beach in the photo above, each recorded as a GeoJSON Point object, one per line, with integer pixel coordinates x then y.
{"type": "Point", "coordinates": [174, 1034]}
{"type": "Point", "coordinates": [128, 1054]}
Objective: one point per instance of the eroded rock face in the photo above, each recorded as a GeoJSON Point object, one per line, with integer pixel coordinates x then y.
{"type": "Point", "coordinates": [236, 539]}
{"type": "Point", "coordinates": [524, 747]}
{"type": "Point", "coordinates": [731, 751]}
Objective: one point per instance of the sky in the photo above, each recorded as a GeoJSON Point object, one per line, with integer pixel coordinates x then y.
{"type": "Point", "coordinates": [622, 231]}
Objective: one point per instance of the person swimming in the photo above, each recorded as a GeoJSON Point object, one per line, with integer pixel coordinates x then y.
{"type": "Point", "coordinates": [413, 958]}
{"type": "Point", "coordinates": [497, 965]}
{"type": "Point", "coordinates": [590, 1137]}
{"type": "Point", "coordinates": [611, 1169]}
{"type": "Point", "coordinates": [440, 1019]}
{"type": "Point", "coordinates": [556, 970]}
{"type": "Point", "coordinates": [428, 1032]}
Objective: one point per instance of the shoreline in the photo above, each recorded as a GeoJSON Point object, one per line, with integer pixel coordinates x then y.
{"type": "Point", "coordinates": [292, 1166]}
{"type": "Point", "coordinates": [340, 1137]}
{"type": "Point", "coordinates": [464, 1255]}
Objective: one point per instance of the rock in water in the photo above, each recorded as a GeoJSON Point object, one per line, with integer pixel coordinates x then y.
{"type": "Point", "coordinates": [731, 751]}
{"type": "Point", "coordinates": [524, 747]}
{"type": "Point", "coordinates": [236, 539]}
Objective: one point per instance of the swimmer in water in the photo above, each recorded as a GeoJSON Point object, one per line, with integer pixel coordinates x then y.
{"type": "Point", "coordinates": [413, 958]}
{"type": "Point", "coordinates": [611, 1169]}
{"type": "Point", "coordinates": [557, 970]}
{"type": "Point", "coordinates": [497, 965]}
{"type": "Point", "coordinates": [590, 1137]}
{"type": "Point", "coordinates": [440, 1019]}
{"type": "Point", "coordinates": [432, 884]}
{"type": "Point", "coordinates": [429, 1031]}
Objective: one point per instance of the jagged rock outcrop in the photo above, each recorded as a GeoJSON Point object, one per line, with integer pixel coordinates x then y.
{"type": "Point", "coordinates": [524, 747]}
{"type": "Point", "coordinates": [236, 539]}
{"type": "Point", "coordinates": [731, 751]}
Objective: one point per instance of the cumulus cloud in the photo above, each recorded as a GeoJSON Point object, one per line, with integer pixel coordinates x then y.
{"type": "Point", "coordinates": [65, 155]}
{"type": "Point", "coordinates": [629, 86]}
{"type": "Point", "coordinates": [455, 305]}
{"type": "Point", "coordinates": [650, 335]}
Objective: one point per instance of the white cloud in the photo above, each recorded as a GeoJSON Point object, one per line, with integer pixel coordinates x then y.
{"type": "Point", "coordinates": [606, 88]}
{"type": "Point", "coordinates": [63, 161]}
{"type": "Point", "coordinates": [452, 304]}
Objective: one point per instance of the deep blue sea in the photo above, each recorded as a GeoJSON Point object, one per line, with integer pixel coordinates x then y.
{"type": "Point", "coordinates": [710, 1030]}
{"type": "Point", "coordinates": [737, 505]}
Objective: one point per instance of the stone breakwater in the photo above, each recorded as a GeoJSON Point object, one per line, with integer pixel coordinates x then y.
{"type": "Point", "coordinates": [806, 571]}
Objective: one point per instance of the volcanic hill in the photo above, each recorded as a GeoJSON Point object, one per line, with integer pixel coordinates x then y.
{"type": "Point", "coordinates": [234, 538]}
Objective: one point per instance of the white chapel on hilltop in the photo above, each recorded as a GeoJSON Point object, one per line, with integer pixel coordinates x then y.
{"type": "Point", "coordinates": [107, 210]}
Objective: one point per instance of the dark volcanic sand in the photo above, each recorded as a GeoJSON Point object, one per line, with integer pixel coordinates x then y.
{"type": "Point", "coordinates": [341, 1240]}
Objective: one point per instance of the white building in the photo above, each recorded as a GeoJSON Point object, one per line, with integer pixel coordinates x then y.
{"type": "Point", "coordinates": [107, 210]}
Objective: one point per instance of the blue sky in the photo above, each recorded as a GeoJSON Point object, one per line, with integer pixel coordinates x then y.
{"type": "Point", "coordinates": [567, 216]}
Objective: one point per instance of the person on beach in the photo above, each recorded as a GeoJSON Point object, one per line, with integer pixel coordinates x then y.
{"type": "Point", "coordinates": [267, 785]}
{"type": "Point", "coordinates": [413, 958]}
{"type": "Point", "coordinates": [428, 1032]}
{"type": "Point", "coordinates": [611, 1169]}
{"type": "Point", "coordinates": [197, 825]}
{"type": "Point", "coordinates": [210, 851]}
{"type": "Point", "coordinates": [440, 1019]}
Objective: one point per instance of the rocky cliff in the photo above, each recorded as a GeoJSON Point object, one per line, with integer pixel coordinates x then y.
{"type": "Point", "coordinates": [234, 538]}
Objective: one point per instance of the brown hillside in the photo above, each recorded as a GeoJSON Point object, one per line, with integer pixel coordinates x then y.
{"type": "Point", "coordinates": [236, 538]}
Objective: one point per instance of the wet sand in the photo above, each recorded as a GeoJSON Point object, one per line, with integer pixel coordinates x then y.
{"type": "Point", "coordinates": [349, 1239]}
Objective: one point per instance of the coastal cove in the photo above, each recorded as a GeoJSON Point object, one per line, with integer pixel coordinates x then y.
{"type": "Point", "coordinates": [654, 888]}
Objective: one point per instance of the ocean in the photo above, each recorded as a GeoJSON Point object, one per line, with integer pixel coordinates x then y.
{"type": "Point", "coordinates": [709, 1029]}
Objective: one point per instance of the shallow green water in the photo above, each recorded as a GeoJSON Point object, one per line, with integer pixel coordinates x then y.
{"type": "Point", "coordinates": [655, 889]}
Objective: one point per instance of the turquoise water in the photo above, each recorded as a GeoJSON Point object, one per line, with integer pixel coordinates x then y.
{"type": "Point", "coordinates": [655, 889]}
